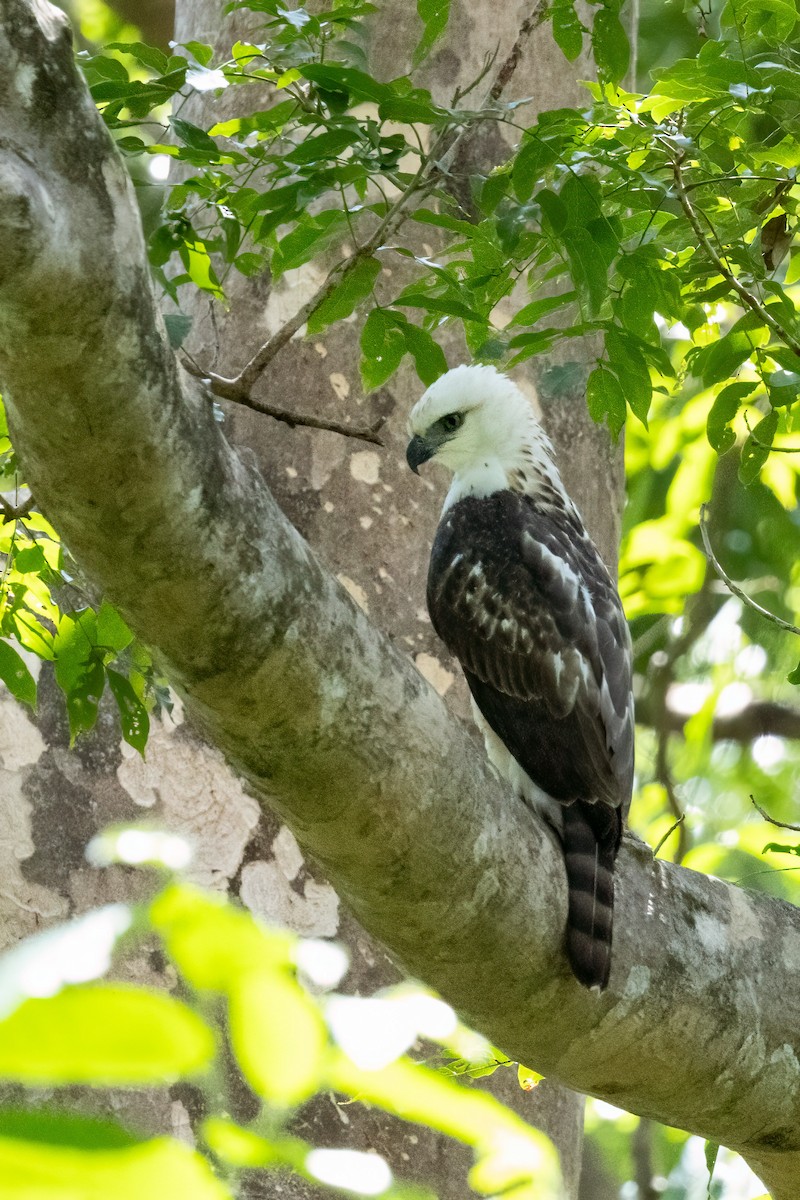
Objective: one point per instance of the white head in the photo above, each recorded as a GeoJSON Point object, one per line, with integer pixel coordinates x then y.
{"type": "Point", "coordinates": [479, 425]}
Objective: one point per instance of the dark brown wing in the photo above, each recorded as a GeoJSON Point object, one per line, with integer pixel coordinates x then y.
{"type": "Point", "coordinates": [522, 598]}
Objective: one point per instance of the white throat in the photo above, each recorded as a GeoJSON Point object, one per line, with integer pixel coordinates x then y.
{"type": "Point", "coordinates": [480, 479]}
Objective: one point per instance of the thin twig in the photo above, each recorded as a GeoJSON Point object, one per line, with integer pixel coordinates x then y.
{"type": "Point", "coordinates": [745, 295]}
{"type": "Point", "coordinates": [364, 433]}
{"type": "Point", "coordinates": [772, 820]}
{"type": "Point", "coordinates": [11, 512]}
{"type": "Point", "coordinates": [664, 777]}
{"type": "Point", "coordinates": [430, 172]}
{"type": "Point", "coordinates": [733, 587]}
{"type": "Point", "coordinates": [669, 833]}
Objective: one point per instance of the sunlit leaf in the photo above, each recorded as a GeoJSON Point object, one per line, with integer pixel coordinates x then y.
{"type": "Point", "coordinates": [211, 942]}
{"type": "Point", "coordinates": [15, 675]}
{"type": "Point", "coordinates": [103, 1034]}
{"type": "Point", "coordinates": [278, 1036]}
{"type": "Point", "coordinates": [160, 1167]}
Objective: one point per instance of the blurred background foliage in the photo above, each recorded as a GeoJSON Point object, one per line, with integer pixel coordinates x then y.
{"type": "Point", "coordinates": [699, 334]}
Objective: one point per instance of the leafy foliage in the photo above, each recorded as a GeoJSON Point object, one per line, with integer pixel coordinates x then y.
{"type": "Point", "coordinates": [243, 985]}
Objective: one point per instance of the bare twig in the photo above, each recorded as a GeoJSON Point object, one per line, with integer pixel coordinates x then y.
{"type": "Point", "coordinates": [363, 433]}
{"type": "Point", "coordinates": [509, 66]}
{"type": "Point", "coordinates": [675, 825]}
{"type": "Point", "coordinates": [772, 820]}
{"type": "Point", "coordinates": [744, 294]}
{"type": "Point", "coordinates": [11, 512]}
{"type": "Point", "coordinates": [642, 1154]}
{"type": "Point", "coordinates": [733, 587]}
{"type": "Point", "coordinates": [759, 718]}
{"type": "Point", "coordinates": [664, 777]}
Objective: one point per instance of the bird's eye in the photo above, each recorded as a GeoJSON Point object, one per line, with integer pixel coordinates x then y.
{"type": "Point", "coordinates": [452, 422]}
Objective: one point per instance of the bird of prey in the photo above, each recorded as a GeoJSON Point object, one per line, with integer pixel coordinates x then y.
{"type": "Point", "coordinates": [519, 594]}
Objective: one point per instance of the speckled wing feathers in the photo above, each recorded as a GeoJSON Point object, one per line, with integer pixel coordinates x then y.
{"type": "Point", "coordinates": [519, 594]}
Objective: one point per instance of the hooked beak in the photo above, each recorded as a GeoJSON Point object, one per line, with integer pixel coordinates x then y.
{"type": "Point", "coordinates": [418, 451]}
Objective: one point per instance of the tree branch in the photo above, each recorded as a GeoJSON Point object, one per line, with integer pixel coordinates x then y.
{"type": "Point", "coordinates": [13, 512]}
{"type": "Point", "coordinates": [363, 433]}
{"type": "Point", "coordinates": [759, 718]}
{"type": "Point", "coordinates": [734, 587]}
{"type": "Point", "coordinates": [325, 718]}
{"type": "Point", "coordinates": [745, 295]}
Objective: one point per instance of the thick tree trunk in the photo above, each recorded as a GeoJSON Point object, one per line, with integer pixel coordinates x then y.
{"type": "Point", "coordinates": [329, 722]}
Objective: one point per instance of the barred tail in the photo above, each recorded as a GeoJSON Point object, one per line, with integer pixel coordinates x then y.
{"type": "Point", "coordinates": [591, 839]}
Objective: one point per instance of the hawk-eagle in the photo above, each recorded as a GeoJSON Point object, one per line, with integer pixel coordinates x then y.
{"type": "Point", "coordinates": [519, 594]}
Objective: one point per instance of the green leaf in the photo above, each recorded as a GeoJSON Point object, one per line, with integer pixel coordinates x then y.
{"type": "Point", "coordinates": [322, 147]}
{"type": "Point", "coordinates": [149, 55]}
{"type": "Point", "coordinates": [357, 84]}
{"type": "Point", "coordinates": [104, 1035]}
{"type": "Point", "coordinates": [428, 355]}
{"type": "Point", "coordinates": [605, 399]}
{"type": "Point", "coordinates": [16, 676]}
{"type": "Point", "coordinates": [589, 270]}
{"type": "Point", "coordinates": [278, 1036]}
{"type": "Point", "coordinates": [355, 285]}
{"type": "Point", "coordinates": [629, 365]}
{"type": "Point", "coordinates": [197, 261]}
{"type": "Point", "coordinates": [59, 1128]}
{"type": "Point", "coordinates": [75, 647]}
{"type": "Point", "coordinates": [133, 715]}
{"type": "Point", "coordinates": [434, 15]}
{"type": "Point", "coordinates": [794, 676]}
{"type": "Point", "coordinates": [211, 942]}
{"type": "Point", "coordinates": [201, 52]}
{"type": "Point", "coordinates": [192, 136]}
{"type": "Point", "coordinates": [178, 326]}
{"type": "Point", "coordinates": [531, 159]}
{"type": "Point", "coordinates": [711, 1152]}
{"type": "Point", "coordinates": [160, 1167]}
{"type": "Point", "coordinates": [112, 632]}
{"type": "Point", "coordinates": [30, 559]}
{"type": "Point", "coordinates": [610, 44]}
{"type": "Point", "coordinates": [309, 237]}
{"type": "Point", "coordinates": [782, 848]}
{"type": "Point", "coordinates": [531, 313]}
{"type": "Point", "coordinates": [755, 451]}
{"type": "Point", "coordinates": [417, 1094]}
{"type": "Point", "coordinates": [83, 701]}
{"type": "Point", "coordinates": [447, 305]}
{"type": "Point", "coordinates": [718, 361]}
{"type": "Point", "coordinates": [723, 410]}
{"type": "Point", "coordinates": [382, 348]}
{"type": "Point", "coordinates": [567, 28]}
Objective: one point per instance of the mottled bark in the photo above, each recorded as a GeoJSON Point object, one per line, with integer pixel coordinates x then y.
{"type": "Point", "coordinates": [328, 721]}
